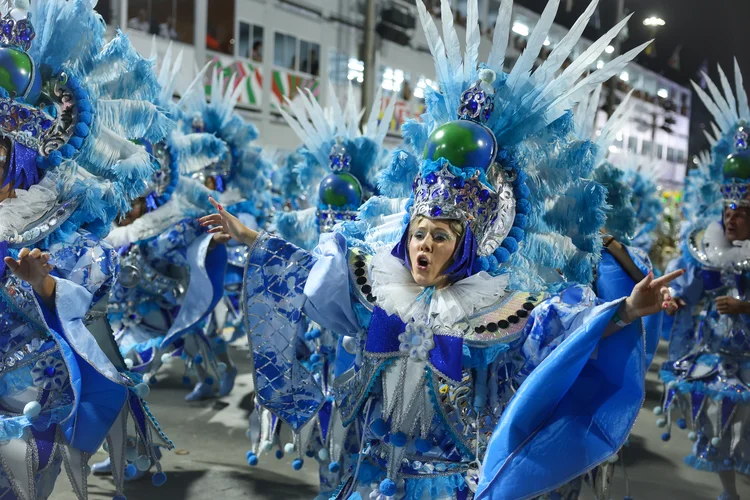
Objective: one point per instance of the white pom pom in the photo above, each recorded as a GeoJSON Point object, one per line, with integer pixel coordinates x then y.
{"type": "Point", "coordinates": [692, 436]}
{"type": "Point", "coordinates": [350, 344]}
{"type": "Point", "coordinates": [32, 409]}
{"type": "Point", "coordinates": [613, 459]}
{"type": "Point", "coordinates": [487, 75]}
{"type": "Point", "coordinates": [323, 454]}
{"type": "Point", "coordinates": [128, 363]}
{"type": "Point", "coordinates": [289, 448]}
{"type": "Point", "coordinates": [143, 463]}
{"type": "Point", "coordinates": [166, 358]}
{"type": "Point", "coordinates": [268, 446]}
{"type": "Point", "coordinates": [658, 410]}
{"type": "Point", "coordinates": [715, 442]}
{"type": "Point", "coordinates": [662, 422]}
{"type": "Point", "coordinates": [142, 390]}
{"type": "Point", "coordinates": [222, 367]}
{"type": "Point", "coordinates": [131, 454]}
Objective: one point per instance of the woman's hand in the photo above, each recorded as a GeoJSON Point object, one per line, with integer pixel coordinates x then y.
{"type": "Point", "coordinates": [33, 267]}
{"type": "Point", "coordinates": [649, 296]}
{"type": "Point", "coordinates": [730, 305]}
{"type": "Point", "coordinates": [671, 306]}
{"type": "Point", "coordinates": [225, 226]}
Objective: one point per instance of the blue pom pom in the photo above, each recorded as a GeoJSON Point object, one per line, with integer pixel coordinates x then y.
{"type": "Point", "coordinates": [209, 380]}
{"type": "Point", "coordinates": [55, 158]}
{"type": "Point", "coordinates": [298, 463]}
{"type": "Point", "coordinates": [520, 177]}
{"type": "Point", "coordinates": [198, 359]}
{"type": "Point", "coordinates": [387, 487]}
{"type": "Point", "coordinates": [521, 191]}
{"type": "Point", "coordinates": [520, 221]}
{"type": "Point", "coordinates": [422, 445]}
{"type": "Point", "coordinates": [81, 130]}
{"type": "Point", "coordinates": [523, 206]}
{"type": "Point", "coordinates": [502, 255]}
{"type": "Point", "coordinates": [67, 151]}
{"type": "Point", "coordinates": [84, 117]}
{"type": "Point", "coordinates": [315, 358]}
{"type": "Point", "coordinates": [79, 93]}
{"type": "Point", "coordinates": [398, 439]}
{"type": "Point", "coordinates": [252, 459]}
{"type": "Point", "coordinates": [308, 338]}
{"type": "Point", "coordinates": [334, 467]}
{"type": "Point", "coordinates": [186, 380]}
{"type": "Point", "coordinates": [130, 471]}
{"type": "Point", "coordinates": [309, 453]}
{"type": "Point", "coordinates": [681, 423]}
{"type": "Point", "coordinates": [666, 436]}
{"type": "Point", "coordinates": [510, 244]}
{"type": "Point", "coordinates": [516, 233]}
{"type": "Point", "coordinates": [76, 141]}
{"type": "Point", "coordinates": [159, 479]}
{"type": "Point", "coordinates": [279, 454]}
{"type": "Point", "coordinates": [379, 428]}
{"type": "Point", "coordinates": [314, 333]}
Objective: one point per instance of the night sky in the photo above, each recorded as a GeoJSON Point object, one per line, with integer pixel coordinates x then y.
{"type": "Point", "coordinates": [710, 30]}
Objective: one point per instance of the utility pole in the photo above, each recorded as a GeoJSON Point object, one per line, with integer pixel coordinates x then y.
{"type": "Point", "coordinates": [368, 86]}
{"type": "Point", "coordinates": [616, 43]}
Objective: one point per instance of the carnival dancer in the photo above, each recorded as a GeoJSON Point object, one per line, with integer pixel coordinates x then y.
{"type": "Point", "coordinates": [454, 337]}
{"type": "Point", "coordinates": [242, 176]}
{"type": "Point", "coordinates": [707, 385]}
{"type": "Point", "coordinates": [338, 169]}
{"type": "Point", "coordinates": [66, 172]}
{"type": "Point", "coordinates": [172, 270]}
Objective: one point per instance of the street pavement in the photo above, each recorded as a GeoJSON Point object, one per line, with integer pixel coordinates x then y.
{"type": "Point", "coordinates": [209, 459]}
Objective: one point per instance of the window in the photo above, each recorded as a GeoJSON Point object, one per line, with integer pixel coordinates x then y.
{"type": "Point", "coordinates": [173, 19]}
{"type": "Point", "coordinates": [681, 156]}
{"type": "Point", "coordinates": [356, 71]}
{"type": "Point", "coordinates": [660, 151]}
{"type": "Point", "coordinates": [618, 140]}
{"type": "Point", "coordinates": [299, 55]}
{"type": "Point", "coordinates": [646, 147]}
{"type": "Point", "coordinates": [309, 57]}
{"type": "Point", "coordinates": [632, 144]}
{"type": "Point", "coordinates": [251, 42]}
{"type": "Point", "coordinates": [671, 155]}
{"type": "Point", "coordinates": [285, 51]}
{"type": "Point", "coordinates": [220, 26]}
{"type": "Point", "coordinates": [392, 79]}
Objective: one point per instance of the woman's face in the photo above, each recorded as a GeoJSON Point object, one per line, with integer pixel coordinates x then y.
{"type": "Point", "coordinates": [737, 224]}
{"type": "Point", "coordinates": [139, 208]}
{"type": "Point", "coordinates": [431, 249]}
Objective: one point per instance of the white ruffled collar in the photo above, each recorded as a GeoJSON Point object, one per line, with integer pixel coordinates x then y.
{"type": "Point", "coordinates": [720, 253]}
{"type": "Point", "coordinates": [397, 293]}
{"type": "Point", "coordinates": [150, 224]}
{"type": "Point", "coordinates": [29, 205]}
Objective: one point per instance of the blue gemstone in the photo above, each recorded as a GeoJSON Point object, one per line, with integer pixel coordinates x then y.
{"type": "Point", "coordinates": [24, 114]}
{"type": "Point", "coordinates": [25, 36]}
{"type": "Point", "coordinates": [458, 182]}
{"type": "Point", "coordinates": [473, 106]}
{"type": "Point", "coordinates": [49, 371]}
{"type": "Point", "coordinates": [8, 28]}
{"type": "Point", "coordinates": [733, 206]}
{"type": "Point", "coordinates": [431, 178]}
{"type": "Point", "coordinates": [436, 211]}
{"type": "Point", "coordinates": [46, 124]}
{"type": "Point", "coordinates": [484, 195]}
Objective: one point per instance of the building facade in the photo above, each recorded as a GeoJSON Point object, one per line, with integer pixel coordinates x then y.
{"type": "Point", "coordinates": [279, 47]}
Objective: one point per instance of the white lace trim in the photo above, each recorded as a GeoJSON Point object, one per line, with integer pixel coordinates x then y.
{"type": "Point", "coordinates": [721, 253]}
{"type": "Point", "coordinates": [28, 206]}
{"type": "Point", "coordinates": [393, 285]}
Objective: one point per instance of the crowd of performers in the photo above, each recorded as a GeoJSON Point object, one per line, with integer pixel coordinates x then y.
{"type": "Point", "coordinates": [444, 320]}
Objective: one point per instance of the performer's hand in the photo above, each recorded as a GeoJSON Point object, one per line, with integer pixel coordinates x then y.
{"type": "Point", "coordinates": [730, 305]}
{"type": "Point", "coordinates": [221, 238]}
{"type": "Point", "coordinates": [671, 306]}
{"type": "Point", "coordinates": [649, 296]}
{"type": "Point", "coordinates": [33, 267]}
{"type": "Point", "coordinates": [227, 226]}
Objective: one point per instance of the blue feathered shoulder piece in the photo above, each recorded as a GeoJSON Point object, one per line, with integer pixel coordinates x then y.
{"type": "Point", "coordinates": [73, 101]}
{"type": "Point", "coordinates": [550, 237]}
{"type": "Point", "coordinates": [338, 163]}
{"type": "Point", "coordinates": [243, 175]}
{"type": "Point", "coordinates": [621, 216]}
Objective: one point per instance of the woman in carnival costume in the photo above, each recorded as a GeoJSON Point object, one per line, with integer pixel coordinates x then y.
{"type": "Point", "coordinates": [455, 340]}
{"type": "Point", "coordinates": [338, 169]}
{"type": "Point", "coordinates": [166, 261]}
{"type": "Point", "coordinates": [172, 270]}
{"type": "Point", "coordinates": [66, 173]}
{"type": "Point", "coordinates": [706, 378]}
{"type": "Point", "coordinates": [243, 177]}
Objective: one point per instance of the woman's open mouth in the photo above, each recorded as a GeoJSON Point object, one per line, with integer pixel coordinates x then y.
{"type": "Point", "coordinates": [422, 263]}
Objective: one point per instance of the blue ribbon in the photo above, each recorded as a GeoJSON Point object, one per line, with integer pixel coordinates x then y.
{"type": "Point", "coordinates": [426, 295]}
